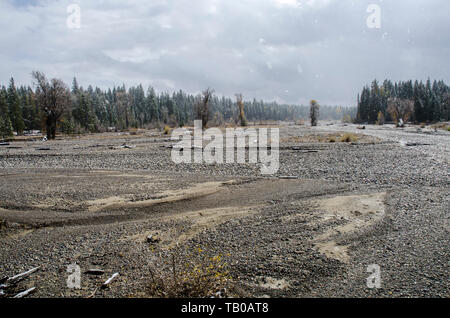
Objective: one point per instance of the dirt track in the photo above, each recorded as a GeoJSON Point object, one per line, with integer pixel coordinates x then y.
{"type": "Point", "coordinates": [346, 205]}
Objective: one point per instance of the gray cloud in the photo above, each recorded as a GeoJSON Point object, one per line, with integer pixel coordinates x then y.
{"type": "Point", "coordinates": [284, 50]}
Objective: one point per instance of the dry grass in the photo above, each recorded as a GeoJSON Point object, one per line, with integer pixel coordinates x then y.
{"type": "Point", "coordinates": [347, 119]}
{"type": "Point", "coordinates": [347, 137]}
{"type": "Point", "coordinates": [330, 138]}
{"type": "Point", "coordinates": [136, 131]}
{"type": "Point", "coordinates": [193, 276]}
{"type": "Point", "coordinates": [443, 126]}
{"type": "Point", "coordinates": [166, 130]}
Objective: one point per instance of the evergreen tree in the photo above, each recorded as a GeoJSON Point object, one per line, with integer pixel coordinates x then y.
{"type": "Point", "coordinates": [429, 100]}
{"type": "Point", "coordinates": [75, 88]}
{"type": "Point", "coordinates": [152, 105]}
{"type": "Point", "coordinates": [6, 129]}
{"type": "Point", "coordinates": [83, 113]}
{"type": "Point", "coordinates": [15, 111]}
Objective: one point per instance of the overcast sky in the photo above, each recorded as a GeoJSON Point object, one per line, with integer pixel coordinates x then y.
{"type": "Point", "coordinates": [284, 50]}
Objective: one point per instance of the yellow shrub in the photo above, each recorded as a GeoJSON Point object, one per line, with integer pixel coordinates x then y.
{"type": "Point", "coordinates": [349, 138]}
{"type": "Point", "coordinates": [196, 275]}
{"type": "Point", "coordinates": [166, 130]}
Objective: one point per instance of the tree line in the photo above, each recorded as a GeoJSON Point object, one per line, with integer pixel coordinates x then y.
{"type": "Point", "coordinates": [419, 102]}
{"type": "Point", "coordinates": [50, 105]}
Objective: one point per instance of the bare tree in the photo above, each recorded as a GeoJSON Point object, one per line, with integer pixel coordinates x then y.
{"type": "Point", "coordinates": [202, 107]}
{"type": "Point", "coordinates": [54, 98]}
{"type": "Point", "coordinates": [240, 105]}
{"type": "Point", "coordinates": [314, 112]}
{"type": "Point", "coordinates": [446, 104]}
{"type": "Point", "coordinates": [380, 118]}
{"type": "Point", "coordinates": [400, 109]}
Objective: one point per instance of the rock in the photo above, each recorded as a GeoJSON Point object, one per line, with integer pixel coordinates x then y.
{"type": "Point", "coordinates": [153, 239]}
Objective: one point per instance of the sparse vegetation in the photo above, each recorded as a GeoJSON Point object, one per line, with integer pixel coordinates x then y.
{"type": "Point", "coordinates": [166, 130]}
{"type": "Point", "coordinates": [442, 126]}
{"type": "Point", "coordinates": [347, 119]}
{"type": "Point", "coordinates": [198, 275]}
{"type": "Point", "coordinates": [349, 138]}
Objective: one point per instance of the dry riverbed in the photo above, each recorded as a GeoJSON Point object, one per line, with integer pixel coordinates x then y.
{"type": "Point", "coordinates": [310, 230]}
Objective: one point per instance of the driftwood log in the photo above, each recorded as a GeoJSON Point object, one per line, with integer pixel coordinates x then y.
{"type": "Point", "coordinates": [25, 292]}
{"type": "Point", "coordinates": [95, 271]}
{"type": "Point", "coordinates": [18, 277]}
{"type": "Point", "coordinates": [109, 280]}
{"type": "Point", "coordinates": [8, 282]}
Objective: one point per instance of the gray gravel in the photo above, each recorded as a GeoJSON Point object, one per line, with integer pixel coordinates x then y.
{"type": "Point", "coordinates": [411, 243]}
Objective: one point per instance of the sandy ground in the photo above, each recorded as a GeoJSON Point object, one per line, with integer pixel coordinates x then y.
{"type": "Point", "coordinates": [310, 230]}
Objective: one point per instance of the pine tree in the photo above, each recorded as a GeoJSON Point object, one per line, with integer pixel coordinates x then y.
{"type": "Point", "coordinates": [6, 129]}
{"type": "Point", "coordinates": [152, 102]}
{"type": "Point", "coordinates": [83, 113]}
{"type": "Point", "coordinates": [75, 88]}
{"type": "Point", "coordinates": [15, 111]}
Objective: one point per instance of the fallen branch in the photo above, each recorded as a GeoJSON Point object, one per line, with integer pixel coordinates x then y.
{"type": "Point", "coordinates": [299, 148]}
{"type": "Point", "coordinates": [95, 271]}
{"type": "Point", "coordinates": [93, 293]}
{"type": "Point", "coordinates": [413, 144]}
{"type": "Point", "coordinates": [21, 276]}
{"type": "Point", "coordinates": [109, 280]}
{"type": "Point", "coordinates": [25, 293]}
